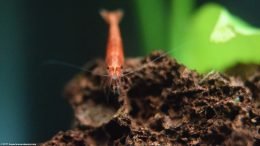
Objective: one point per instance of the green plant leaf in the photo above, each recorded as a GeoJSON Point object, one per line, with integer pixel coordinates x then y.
{"type": "Point", "coordinates": [151, 23]}
{"type": "Point", "coordinates": [216, 40]}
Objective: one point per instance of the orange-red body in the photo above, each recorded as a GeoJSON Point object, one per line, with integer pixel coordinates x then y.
{"type": "Point", "coordinates": [114, 50]}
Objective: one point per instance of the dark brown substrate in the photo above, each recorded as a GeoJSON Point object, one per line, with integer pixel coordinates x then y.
{"type": "Point", "coordinates": [163, 103]}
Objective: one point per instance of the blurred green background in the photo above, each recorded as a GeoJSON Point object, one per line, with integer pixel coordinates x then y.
{"type": "Point", "coordinates": [198, 33]}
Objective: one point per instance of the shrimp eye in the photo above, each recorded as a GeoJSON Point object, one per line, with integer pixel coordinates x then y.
{"type": "Point", "coordinates": [121, 67]}
{"type": "Point", "coordinates": [107, 68]}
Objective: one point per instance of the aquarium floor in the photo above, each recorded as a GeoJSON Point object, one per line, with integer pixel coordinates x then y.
{"type": "Point", "coordinates": [163, 103]}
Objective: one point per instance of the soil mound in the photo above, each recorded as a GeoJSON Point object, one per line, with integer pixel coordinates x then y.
{"type": "Point", "coordinates": [163, 103]}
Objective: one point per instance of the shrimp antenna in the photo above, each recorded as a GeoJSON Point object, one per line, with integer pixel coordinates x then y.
{"type": "Point", "coordinates": [155, 59]}
{"type": "Point", "coordinates": [145, 65]}
{"type": "Point", "coordinates": [56, 62]}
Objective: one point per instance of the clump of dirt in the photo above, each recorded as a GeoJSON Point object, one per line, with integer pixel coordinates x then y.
{"type": "Point", "coordinates": [163, 103]}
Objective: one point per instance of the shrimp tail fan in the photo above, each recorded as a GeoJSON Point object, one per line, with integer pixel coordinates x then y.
{"type": "Point", "coordinates": [112, 16]}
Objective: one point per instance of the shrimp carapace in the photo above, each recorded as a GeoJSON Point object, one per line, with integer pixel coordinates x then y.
{"type": "Point", "coordinates": [114, 51]}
